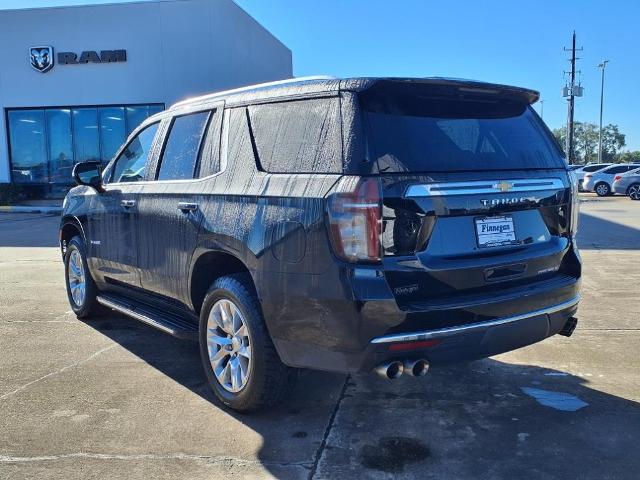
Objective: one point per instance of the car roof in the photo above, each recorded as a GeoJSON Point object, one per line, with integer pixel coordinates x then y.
{"type": "Point", "coordinates": [285, 89]}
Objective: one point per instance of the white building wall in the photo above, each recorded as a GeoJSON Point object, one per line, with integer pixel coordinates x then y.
{"type": "Point", "coordinates": [175, 49]}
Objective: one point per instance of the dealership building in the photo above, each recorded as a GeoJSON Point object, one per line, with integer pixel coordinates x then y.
{"type": "Point", "coordinates": [75, 81]}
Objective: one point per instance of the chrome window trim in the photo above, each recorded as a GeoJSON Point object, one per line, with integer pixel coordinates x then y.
{"type": "Point", "coordinates": [483, 187]}
{"type": "Point", "coordinates": [446, 332]}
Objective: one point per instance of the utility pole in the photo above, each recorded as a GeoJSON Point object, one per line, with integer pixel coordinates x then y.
{"type": "Point", "coordinates": [571, 91]}
{"type": "Point", "coordinates": [541, 109]}
{"type": "Point", "coordinates": [602, 66]}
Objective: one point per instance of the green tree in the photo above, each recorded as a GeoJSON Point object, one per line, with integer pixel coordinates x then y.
{"type": "Point", "coordinates": [629, 157]}
{"type": "Point", "coordinates": [585, 142]}
{"type": "Point", "coordinates": [612, 142]}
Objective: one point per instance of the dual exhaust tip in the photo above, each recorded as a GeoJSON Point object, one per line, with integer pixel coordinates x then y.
{"type": "Point", "coordinates": [395, 369]}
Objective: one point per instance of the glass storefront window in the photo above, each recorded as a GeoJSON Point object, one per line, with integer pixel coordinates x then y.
{"type": "Point", "coordinates": [153, 109]}
{"type": "Point", "coordinates": [45, 143]}
{"type": "Point", "coordinates": [28, 146]}
{"type": "Point", "coordinates": [60, 145]}
{"type": "Point", "coordinates": [135, 116]}
{"type": "Point", "coordinates": [86, 140]}
{"type": "Point", "coordinates": [112, 131]}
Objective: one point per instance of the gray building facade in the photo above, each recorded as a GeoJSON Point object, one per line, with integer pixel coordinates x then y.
{"type": "Point", "coordinates": [74, 81]}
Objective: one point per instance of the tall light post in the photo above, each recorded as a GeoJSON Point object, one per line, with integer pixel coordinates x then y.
{"type": "Point", "coordinates": [541, 109]}
{"type": "Point", "coordinates": [602, 66]}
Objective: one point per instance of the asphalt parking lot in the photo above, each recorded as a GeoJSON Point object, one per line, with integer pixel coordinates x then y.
{"type": "Point", "coordinates": [111, 398]}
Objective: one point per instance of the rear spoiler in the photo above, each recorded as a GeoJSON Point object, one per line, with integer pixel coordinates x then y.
{"type": "Point", "coordinates": [456, 87]}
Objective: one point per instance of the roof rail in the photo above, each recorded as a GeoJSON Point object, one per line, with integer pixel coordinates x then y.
{"type": "Point", "coordinates": [250, 87]}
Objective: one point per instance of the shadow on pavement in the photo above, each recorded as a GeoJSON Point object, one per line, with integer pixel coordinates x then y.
{"type": "Point", "coordinates": [597, 233]}
{"type": "Point", "coordinates": [28, 230]}
{"type": "Point", "coordinates": [291, 432]}
{"type": "Point", "coordinates": [487, 419]}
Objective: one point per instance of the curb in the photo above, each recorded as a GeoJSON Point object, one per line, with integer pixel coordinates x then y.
{"type": "Point", "coordinates": [31, 209]}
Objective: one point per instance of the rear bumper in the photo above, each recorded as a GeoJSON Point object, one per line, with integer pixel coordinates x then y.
{"type": "Point", "coordinates": [444, 333]}
{"type": "Point", "coordinates": [328, 333]}
{"type": "Point", "coordinates": [587, 185]}
{"type": "Point", "coordinates": [619, 188]}
{"type": "Point", "coordinates": [478, 340]}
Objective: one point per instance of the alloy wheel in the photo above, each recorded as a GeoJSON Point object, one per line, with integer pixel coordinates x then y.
{"type": "Point", "coordinates": [229, 345]}
{"type": "Point", "coordinates": [634, 192]}
{"type": "Point", "coordinates": [76, 278]}
{"type": "Point", "coordinates": [602, 190]}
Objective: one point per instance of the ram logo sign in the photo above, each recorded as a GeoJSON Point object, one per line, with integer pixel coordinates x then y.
{"type": "Point", "coordinates": [90, 56]}
{"type": "Point", "coordinates": [41, 58]}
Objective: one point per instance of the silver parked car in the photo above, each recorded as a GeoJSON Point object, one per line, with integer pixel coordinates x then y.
{"type": "Point", "coordinates": [628, 184]}
{"type": "Point", "coordinates": [602, 180]}
{"type": "Point", "coordinates": [582, 170]}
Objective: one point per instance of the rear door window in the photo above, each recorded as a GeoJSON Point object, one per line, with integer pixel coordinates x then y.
{"type": "Point", "coordinates": [413, 133]}
{"type": "Point", "coordinates": [180, 155]}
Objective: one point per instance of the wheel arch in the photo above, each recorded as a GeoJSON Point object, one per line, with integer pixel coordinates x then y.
{"type": "Point", "coordinates": [634, 184]}
{"type": "Point", "coordinates": [70, 227]}
{"type": "Point", "coordinates": [209, 266]}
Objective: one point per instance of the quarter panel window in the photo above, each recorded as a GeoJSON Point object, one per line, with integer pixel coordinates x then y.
{"type": "Point", "coordinates": [181, 150]}
{"type": "Point", "coordinates": [301, 136]}
{"type": "Point", "coordinates": [130, 165]}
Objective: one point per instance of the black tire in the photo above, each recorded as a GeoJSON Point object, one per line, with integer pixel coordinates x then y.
{"type": "Point", "coordinates": [634, 191]}
{"type": "Point", "coordinates": [602, 189]}
{"type": "Point", "coordinates": [89, 306]}
{"type": "Point", "coordinates": [269, 380]}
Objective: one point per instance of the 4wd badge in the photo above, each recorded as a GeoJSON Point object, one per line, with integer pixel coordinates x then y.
{"type": "Point", "coordinates": [41, 58]}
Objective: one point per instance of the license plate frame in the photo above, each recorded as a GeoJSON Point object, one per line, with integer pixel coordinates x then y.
{"type": "Point", "coordinates": [488, 237]}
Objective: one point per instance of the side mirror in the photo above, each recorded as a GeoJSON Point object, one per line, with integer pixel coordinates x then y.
{"type": "Point", "coordinates": [89, 174]}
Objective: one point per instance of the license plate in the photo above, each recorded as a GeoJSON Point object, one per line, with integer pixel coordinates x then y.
{"type": "Point", "coordinates": [495, 231]}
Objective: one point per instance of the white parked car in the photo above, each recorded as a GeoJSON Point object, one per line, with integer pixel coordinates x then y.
{"type": "Point", "coordinates": [601, 181]}
{"type": "Point", "coordinates": [581, 171]}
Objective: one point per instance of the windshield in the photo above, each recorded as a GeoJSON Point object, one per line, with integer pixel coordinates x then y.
{"type": "Point", "coordinates": [410, 133]}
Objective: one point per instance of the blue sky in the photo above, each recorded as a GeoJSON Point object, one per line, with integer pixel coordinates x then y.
{"type": "Point", "coordinates": [514, 42]}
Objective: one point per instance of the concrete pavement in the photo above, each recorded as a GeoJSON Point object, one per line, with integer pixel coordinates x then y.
{"type": "Point", "coordinates": [111, 398]}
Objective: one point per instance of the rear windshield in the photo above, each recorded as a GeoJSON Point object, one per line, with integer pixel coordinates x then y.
{"type": "Point", "coordinates": [410, 133]}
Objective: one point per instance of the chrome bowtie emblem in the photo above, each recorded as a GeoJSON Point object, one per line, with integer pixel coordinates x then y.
{"type": "Point", "coordinates": [503, 186]}
{"type": "Point", "coordinates": [41, 58]}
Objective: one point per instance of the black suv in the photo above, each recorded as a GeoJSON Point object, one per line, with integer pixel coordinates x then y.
{"type": "Point", "coordinates": [354, 225]}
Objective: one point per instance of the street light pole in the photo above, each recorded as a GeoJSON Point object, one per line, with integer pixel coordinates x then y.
{"type": "Point", "coordinates": [542, 109]}
{"type": "Point", "coordinates": [602, 66]}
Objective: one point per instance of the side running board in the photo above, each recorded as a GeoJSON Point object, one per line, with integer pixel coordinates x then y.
{"type": "Point", "coordinates": [168, 323]}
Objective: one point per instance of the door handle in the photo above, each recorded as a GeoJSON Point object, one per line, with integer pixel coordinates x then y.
{"type": "Point", "coordinates": [128, 203]}
{"type": "Point", "coordinates": [187, 207]}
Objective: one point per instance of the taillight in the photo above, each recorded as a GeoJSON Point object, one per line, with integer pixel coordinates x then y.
{"type": "Point", "coordinates": [575, 204]}
{"type": "Point", "coordinates": [355, 221]}
{"type": "Point", "coordinates": [617, 177]}
{"type": "Point", "coordinates": [588, 175]}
